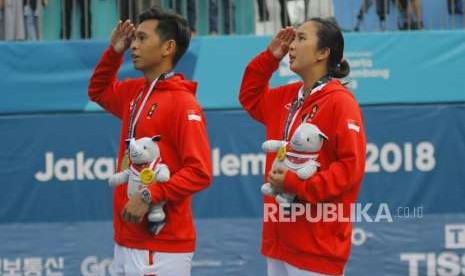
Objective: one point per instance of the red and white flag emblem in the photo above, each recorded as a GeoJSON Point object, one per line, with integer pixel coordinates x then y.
{"type": "Point", "coordinates": [194, 115]}
{"type": "Point", "coordinates": [353, 125]}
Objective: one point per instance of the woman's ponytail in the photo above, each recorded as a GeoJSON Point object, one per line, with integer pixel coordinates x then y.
{"type": "Point", "coordinates": [342, 70]}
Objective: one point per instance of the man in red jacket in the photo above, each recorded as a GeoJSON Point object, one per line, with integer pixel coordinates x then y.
{"type": "Point", "coordinates": [160, 103]}
{"type": "Point", "coordinates": [301, 246]}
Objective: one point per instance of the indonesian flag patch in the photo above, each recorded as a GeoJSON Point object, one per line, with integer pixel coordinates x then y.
{"type": "Point", "coordinates": [194, 115]}
{"type": "Point", "coordinates": [353, 125]}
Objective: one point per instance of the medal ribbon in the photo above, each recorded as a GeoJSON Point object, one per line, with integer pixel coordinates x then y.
{"type": "Point", "coordinates": [133, 120]}
{"type": "Point", "coordinates": [297, 104]}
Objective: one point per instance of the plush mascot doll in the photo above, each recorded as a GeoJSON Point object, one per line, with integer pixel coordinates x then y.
{"type": "Point", "coordinates": [145, 169]}
{"type": "Point", "coordinates": [299, 155]}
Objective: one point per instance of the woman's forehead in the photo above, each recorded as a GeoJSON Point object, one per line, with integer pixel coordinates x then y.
{"type": "Point", "coordinates": [308, 27]}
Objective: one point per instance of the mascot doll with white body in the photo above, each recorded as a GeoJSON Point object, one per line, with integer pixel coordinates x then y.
{"type": "Point", "coordinates": [299, 155]}
{"type": "Point", "coordinates": [145, 169]}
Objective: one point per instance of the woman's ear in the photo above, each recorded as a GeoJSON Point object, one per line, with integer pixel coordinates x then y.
{"type": "Point", "coordinates": [323, 54]}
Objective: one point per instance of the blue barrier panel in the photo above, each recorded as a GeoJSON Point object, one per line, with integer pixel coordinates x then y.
{"type": "Point", "coordinates": [56, 206]}
{"type": "Point", "coordinates": [386, 68]}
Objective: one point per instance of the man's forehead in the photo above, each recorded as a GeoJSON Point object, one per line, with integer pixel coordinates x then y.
{"type": "Point", "coordinates": [147, 25]}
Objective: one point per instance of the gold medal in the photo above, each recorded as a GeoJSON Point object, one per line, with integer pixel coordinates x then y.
{"type": "Point", "coordinates": [146, 176]}
{"type": "Point", "coordinates": [281, 153]}
{"type": "Point", "coordinates": [124, 161]}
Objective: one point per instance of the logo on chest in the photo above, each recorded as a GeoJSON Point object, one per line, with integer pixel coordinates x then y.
{"type": "Point", "coordinates": [309, 116]}
{"type": "Point", "coordinates": [151, 110]}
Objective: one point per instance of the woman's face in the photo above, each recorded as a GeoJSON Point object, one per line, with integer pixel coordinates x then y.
{"type": "Point", "coordinates": [303, 51]}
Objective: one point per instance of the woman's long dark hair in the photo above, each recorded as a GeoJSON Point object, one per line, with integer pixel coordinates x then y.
{"type": "Point", "coordinates": [330, 36]}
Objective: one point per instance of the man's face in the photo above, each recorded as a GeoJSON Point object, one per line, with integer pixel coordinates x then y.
{"type": "Point", "coordinates": [147, 48]}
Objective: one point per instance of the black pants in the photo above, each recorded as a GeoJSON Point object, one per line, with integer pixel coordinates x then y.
{"type": "Point", "coordinates": [67, 11]}
{"type": "Point", "coordinates": [382, 8]}
{"type": "Point", "coordinates": [127, 10]}
{"type": "Point", "coordinates": [227, 8]}
{"type": "Point", "coordinates": [455, 6]}
{"type": "Point", "coordinates": [176, 5]}
{"type": "Point", "coordinates": [263, 12]}
{"type": "Point", "coordinates": [284, 14]}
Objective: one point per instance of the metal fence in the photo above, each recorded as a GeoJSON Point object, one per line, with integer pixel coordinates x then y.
{"type": "Point", "coordinates": [83, 19]}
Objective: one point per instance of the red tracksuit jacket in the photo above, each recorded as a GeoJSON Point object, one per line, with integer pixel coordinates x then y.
{"type": "Point", "coordinates": [322, 247]}
{"type": "Point", "coordinates": [172, 112]}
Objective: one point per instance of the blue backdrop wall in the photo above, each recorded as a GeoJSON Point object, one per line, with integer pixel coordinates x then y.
{"type": "Point", "coordinates": [56, 205]}
{"type": "Point", "coordinates": [416, 67]}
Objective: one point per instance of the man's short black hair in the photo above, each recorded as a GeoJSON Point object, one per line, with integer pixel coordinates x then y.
{"type": "Point", "coordinates": [170, 26]}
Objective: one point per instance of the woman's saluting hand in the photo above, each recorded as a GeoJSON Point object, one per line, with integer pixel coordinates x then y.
{"type": "Point", "coordinates": [279, 45]}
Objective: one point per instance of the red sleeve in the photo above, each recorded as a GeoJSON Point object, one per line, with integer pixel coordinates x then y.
{"type": "Point", "coordinates": [104, 88]}
{"type": "Point", "coordinates": [254, 87]}
{"type": "Point", "coordinates": [348, 169]}
{"type": "Point", "coordinates": [192, 145]}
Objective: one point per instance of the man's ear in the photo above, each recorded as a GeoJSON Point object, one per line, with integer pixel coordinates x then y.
{"type": "Point", "coordinates": [169, 48]}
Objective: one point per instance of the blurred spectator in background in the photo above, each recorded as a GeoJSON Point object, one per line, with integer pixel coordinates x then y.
{"type": "Point", "coordinates": [319, 8]}
{"type": "Point", "coordinates": [455, 6]}
{"type": "Point", "coordinates": [382, 9]}
{"type": "Point", "coordinates": [66, 16]}
{"type": "Point", "coordinates": [284, 14]}
{"type": "Point", "coordinates": [31, 17]}
{"type": "Point", "coordinates": [227, 9]}
{"type": "Point", "coordinates": [411, 14]}
{"type": "Point", "coordinates": [302, 10]}
{"type": "Point", "coordinates": [263, 12]}
{"type": "Point", "coordinates": [177, 6]}
{"type": "Point", "coordinates": [13, 20]}
{"type": "Point", "coordinates": [2, 26]}
{"type": "Point", "coordinates": [130, 9]}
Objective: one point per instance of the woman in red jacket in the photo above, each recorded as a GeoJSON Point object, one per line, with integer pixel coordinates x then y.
{"type": "Point", "coordinates": [305, 245]}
